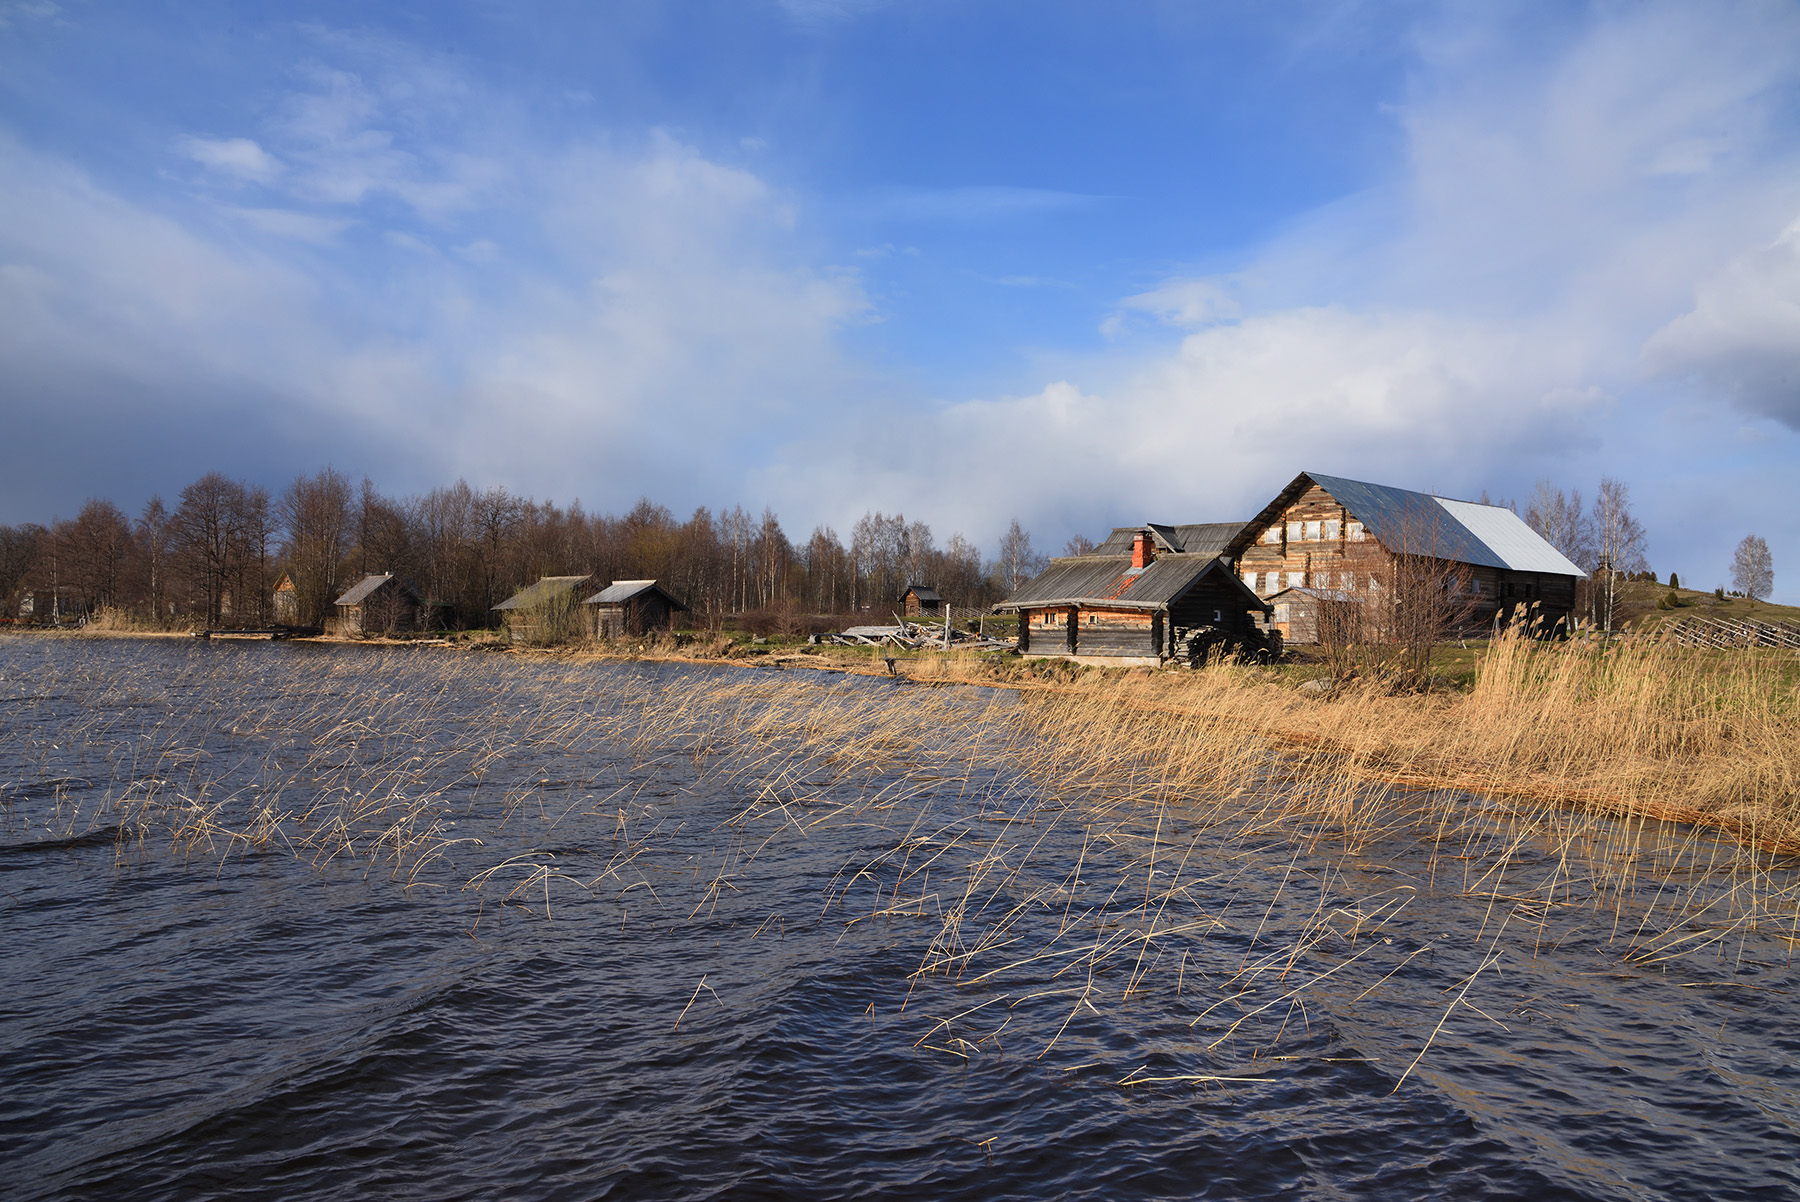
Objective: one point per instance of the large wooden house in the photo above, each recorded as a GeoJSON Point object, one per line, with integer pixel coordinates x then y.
{"type": "Point", "coordinates": [628, 608]}
{"type": "Point", "coordinates": [1147, 595]}
{"type": "Point", "coordinates": [1329, 536]}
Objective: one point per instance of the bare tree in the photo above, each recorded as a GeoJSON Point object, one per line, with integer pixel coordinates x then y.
{"type": "Point", "coordinates": [1753, 568]}
{"type": "Point", "coordinates": [92, 551]}
{"type": "Point", "coordinates": [1618, 546]}
{"type": "Point", "coordinates": [19, 548]}
{"type": "Point", "coordinates": [1558, 519]}
{"type": "Point", "coordinates": [1079, 544]}
{"type": "Point", "coordinates": [154, 533]}
{"type": "Point", "coordinates": [315, 515]}
{"type": "Point", "coordinates": [1019, 561]}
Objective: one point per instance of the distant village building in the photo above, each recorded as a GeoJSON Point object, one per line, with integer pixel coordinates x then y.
{"type": "Point", "coordinates": [547, 611]}
{"type": "Point", "coordinates": [379, 604]}
{"type": "Point", "coordinates": [1147, 595]}
{"type": "Point", "coordinates": [285, 602]}
{"type": "Point", "coordinates": [1339, 538]}
{"type": "Point", "coordinates": [922, 599]}
{"type": "Point", "coordinates": [628, 608]}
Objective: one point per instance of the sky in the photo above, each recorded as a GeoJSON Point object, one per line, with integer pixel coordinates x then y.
{"type": "Point", "coordinates": [1074, 263]}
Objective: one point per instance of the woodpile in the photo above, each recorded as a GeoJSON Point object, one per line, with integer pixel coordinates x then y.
{"type": "Point", "coordinates": [911, 636]}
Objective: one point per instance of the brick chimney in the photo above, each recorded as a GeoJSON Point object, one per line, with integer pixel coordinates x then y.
{"type": "Point", "coordinates": [1141, 552]}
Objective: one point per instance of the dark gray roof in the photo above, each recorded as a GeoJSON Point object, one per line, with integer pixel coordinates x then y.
{"type": "Point", "coordinates": [1192, 538]}
{"type": "Point", "coordinates": [1488, 536]}
{"type": "Point", "coordinates": [547, 588]}
{"type": "Point", "coordinates": [621, 591]}
{"type": "Point", "coordinates": [1109, 580]}
{"type": "Point", "coordinates": [924, 592]}
{"type": "Point", "coordinates": [366, 587]}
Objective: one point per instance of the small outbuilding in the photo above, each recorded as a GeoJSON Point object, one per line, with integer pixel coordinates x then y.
{"type": "Point", "coordinates": [379, 604]}
{"type": "Point", "coordinates": [922, 599]}
{"type": "Point", "coordinates": [285, 602]}
{"type": "Point", "coordinates": [548, 611]}
{"type": "Point", "coordinates": [627, 608]}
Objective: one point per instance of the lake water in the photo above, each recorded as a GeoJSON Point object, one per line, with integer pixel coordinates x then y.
{"type": "Point", "coordinates": [339, 922]}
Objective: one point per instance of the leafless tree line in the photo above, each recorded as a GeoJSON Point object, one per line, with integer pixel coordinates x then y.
{"type": "Point", "coordinates": [216, 555]}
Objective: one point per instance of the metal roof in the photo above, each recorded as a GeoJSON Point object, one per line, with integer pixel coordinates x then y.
{"type": "Point", "coordinates": [1405, 521]}
{"type": "Point", "coordinates": [1507, 536]}
{"type": "Point", "coordinates": [1110, 580]}
{"type": "Point", "coordinates": [621, 591]}
{"type": "Point", "coordinates": [547, 588]}
{"type": "Point", "coordinates": [366, 586]}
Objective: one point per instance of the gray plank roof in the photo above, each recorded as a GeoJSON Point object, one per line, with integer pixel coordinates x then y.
{"type": "Point", "coordinates": [1109, 580]}
{"type": "Point", "coordinates": [621, 591]}
{"type": "Point", "coordinates": [924, 592]}
{"type": "Point", "coordinates": [362, 590]}
{"type": "Point", "coordinates": [1191, 538]}
{"type": "Point", "coordinates": [547, 588]}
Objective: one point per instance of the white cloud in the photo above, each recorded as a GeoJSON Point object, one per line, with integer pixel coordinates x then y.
{"type": "Point", "coordinates": [239, 157]}
{"type": "Point", "coordinates": [1486, 315]}
{"type": "Point", "coordinates": [285, 223]}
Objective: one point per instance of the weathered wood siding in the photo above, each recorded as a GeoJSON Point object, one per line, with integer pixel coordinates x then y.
{"type": "Point", "coordinates": [1318, 543]}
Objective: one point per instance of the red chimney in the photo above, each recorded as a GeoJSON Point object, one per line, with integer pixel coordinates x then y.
{"type": "Point", "coordinates": [1141, 552]}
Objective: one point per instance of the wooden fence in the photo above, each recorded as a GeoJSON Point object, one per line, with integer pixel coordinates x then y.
{"type": "Point", "coordinates": [1733, 633]}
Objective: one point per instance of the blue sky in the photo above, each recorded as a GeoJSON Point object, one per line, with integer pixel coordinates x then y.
{"type": "Point", "coordinates": [1077, 263]}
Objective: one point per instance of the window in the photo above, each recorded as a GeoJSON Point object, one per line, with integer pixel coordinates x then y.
{"type": "Point", "coordinates": [1347, 580]}
{"type": "Point", "coordinates": [1294, 535]}
{"type": "Point", "coordinates": [1296, 579]}
{"type": "Point", "coordinates": [1250, 581]}
{"type": "Point", "coordinates": [1331, 530]}
{"type": "Point", "coordinates": [1272, 534]}
{"type": "Point", "coordinates": [1354, 532]}
{"type": "Point", "coordinates": [1093, 619]}
{"type": "Point", "coordinates": [1312, 532]}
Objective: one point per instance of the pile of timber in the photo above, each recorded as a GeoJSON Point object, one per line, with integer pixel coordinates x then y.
{"type": "Point", "coordinates": [910, 636]}
{"type": "Point", "coordinates": [1733, 633]}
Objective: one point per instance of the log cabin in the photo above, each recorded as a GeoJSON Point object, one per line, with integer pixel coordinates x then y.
{"type": "Point", "coordinates": [377, 605]}
{"type": "Point", "coordinates": [922, 599]}
{"type": "Point", "coordinates": [628, 608]}
{"type": "Point", "coordinates": [547, 611]}
{"type": "Point", "coordinates": [1329, 533]}
{"type": "Point", "coordinates": [1169, 596]}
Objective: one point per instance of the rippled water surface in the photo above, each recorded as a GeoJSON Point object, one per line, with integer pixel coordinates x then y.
{"type": "Point", "coordinates": [320, 922]}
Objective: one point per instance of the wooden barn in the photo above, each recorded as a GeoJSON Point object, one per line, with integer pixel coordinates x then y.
{"type": "Point", "coordinates": [545, 612]}
{"type": "Point", "coordinates": [379, 604]}
{"type": "Point", "coordinates": [628, 608]}
{"type": "Point", "coordinates": [1168, 596]}
{"type": "Point", "coordinates": [922, 599]}
{"type": "Point", "coordinates": [1342, 537]}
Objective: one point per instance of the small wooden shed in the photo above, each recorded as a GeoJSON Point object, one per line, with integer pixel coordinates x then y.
{"type": "Point", "coordinates": [922, 599]}
{"type": "Point", "coordinates": [548, 611]}
{"type": "Point", "coordinates": [627, 608]}
{"type": "Point", "coordinates": [378, 604]}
